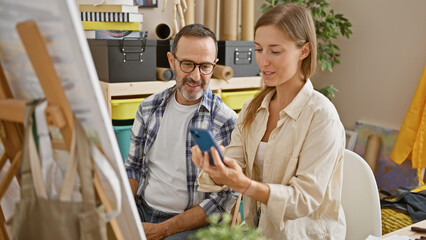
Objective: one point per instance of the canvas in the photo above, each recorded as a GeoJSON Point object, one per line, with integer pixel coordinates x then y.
{"type": "Point", "coordinates": [61, 28]}
{"type": "Point", "coordinates": [389, 175]}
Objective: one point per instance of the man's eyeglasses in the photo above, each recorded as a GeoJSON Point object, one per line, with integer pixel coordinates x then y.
{"type": "Point", "coordinates": [188, 66]}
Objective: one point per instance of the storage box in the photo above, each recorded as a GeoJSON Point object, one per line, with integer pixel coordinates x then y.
{"type": "Point", "coordinates": [236, 99]}
{"type": "Point", "coordinates": [123, 134]}
{"type": "Point", "coordinates": [125, 109]}
{"type": "Point", "coordinates": [240, 55]}
{"type": "Point", "coordinates": [126, 60]}
{"type": "Point", "coordinates": [163, 46]}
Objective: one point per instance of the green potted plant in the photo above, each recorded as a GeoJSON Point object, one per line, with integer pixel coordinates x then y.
{"type": "Point", "coordinates": [328, 26]}
{"type": "Point", "coordinates": [221, 229]}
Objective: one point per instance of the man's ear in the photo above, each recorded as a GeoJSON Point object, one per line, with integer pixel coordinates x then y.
{"type": "Point", "coordinates": [306, 50]}
{"type": "Point", "coordinates": [171, 60]}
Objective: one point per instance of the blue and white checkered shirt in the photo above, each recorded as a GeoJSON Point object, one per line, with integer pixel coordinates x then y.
{"type": "Point", "coordinates": [212, 114]}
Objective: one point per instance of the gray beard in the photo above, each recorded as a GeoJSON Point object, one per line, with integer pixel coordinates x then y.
{"type": "Point", "coordinates": [199, 94]}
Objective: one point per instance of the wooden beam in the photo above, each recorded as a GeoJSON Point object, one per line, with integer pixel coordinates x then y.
{"type": "Point", "coordinates": [44, 67]}
{"type": "Point", "coordinates": [12, 110]}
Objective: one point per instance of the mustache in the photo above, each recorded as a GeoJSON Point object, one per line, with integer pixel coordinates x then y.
{"type": "Point", "coordinates": [192, 81]}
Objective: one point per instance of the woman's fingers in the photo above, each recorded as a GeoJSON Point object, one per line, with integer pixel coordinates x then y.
{"type": "Point", "coordinates": [216, 158]}
{"type": "Point", "coordinates": [197, 156]}
{"type": "Point", "coordinates": [231, 163]}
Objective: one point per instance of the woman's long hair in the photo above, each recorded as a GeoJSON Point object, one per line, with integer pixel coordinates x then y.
{"type": "Point", "coordinates": [296, 22]}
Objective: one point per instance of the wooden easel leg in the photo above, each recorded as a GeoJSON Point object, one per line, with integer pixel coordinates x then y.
{"type": "Point", "coordinates": [11, 172]}
{"type": "Point", "coordinates": [3, 232]}
{"type": "Point", "coordinates": [3, 159]}
{"type": "Point", "coordinates": [104, 199]}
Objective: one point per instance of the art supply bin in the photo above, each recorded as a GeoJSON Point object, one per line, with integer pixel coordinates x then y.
{"type": "Point", "coordinates": [126, 60]}
{"type": "Point", "coordinates": [123, 134]}
{"type": "Point", "coordinates": [236, 99]}
{"type": "Point", "coordinates": [240, 55]}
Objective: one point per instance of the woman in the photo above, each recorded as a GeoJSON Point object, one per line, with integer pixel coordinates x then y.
{"type": "Point", "coordinates": [286, 152]}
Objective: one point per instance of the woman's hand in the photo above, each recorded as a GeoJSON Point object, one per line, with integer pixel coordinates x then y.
{"type": "Point", "coordinates": [227, 172]}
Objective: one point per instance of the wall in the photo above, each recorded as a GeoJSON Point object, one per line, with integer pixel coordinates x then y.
{"type": "Point", "coordinates": [381, 63]}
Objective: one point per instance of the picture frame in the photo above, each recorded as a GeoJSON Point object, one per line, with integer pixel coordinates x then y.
{"type": "Point", "coordinates": [146, 3]}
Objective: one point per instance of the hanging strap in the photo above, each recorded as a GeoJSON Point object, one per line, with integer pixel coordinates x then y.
{"type": "Point", "coordinates": [84, 166]}
{"type": "Point", "coordinates": [27, 184]}
{"type": "Point", "coordinates": [52, 175]}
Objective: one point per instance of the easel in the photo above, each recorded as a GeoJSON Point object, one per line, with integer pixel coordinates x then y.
{"type": "Point", "coordinates": [58, 114]}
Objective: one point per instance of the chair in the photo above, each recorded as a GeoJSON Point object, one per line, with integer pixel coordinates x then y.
{"type": "Point", "coordinates": [360, 198]}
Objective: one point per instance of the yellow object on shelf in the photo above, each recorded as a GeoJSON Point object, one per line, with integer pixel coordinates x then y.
{"type": "Point", "coordinates": [125, 109]}
{"type": "Point", "coordinates": [236, 99]}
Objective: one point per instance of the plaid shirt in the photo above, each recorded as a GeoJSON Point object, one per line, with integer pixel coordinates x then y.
{"type": "Point", "coordinates": [212, 114]}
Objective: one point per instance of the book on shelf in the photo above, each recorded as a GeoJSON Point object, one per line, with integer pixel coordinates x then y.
{"type": "Point", "coordinates": [109, 34]}
{"type": "Point", "coordinates": [123, 26]}
{"type": "Point", "coordinates": [111, 17]}
{"type": "Point", "coordinates": [110, 2]}
{"type": "Point", "coordinates": [108, 8]}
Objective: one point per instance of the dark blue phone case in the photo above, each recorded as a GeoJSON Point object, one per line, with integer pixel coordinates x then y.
{"type": "Point", "coordinates": [205, 140]}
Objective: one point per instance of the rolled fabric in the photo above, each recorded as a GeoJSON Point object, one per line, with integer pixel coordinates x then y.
{"type": "Point", "coordinates": [247, 20]}
{"type": "Point", "coordinates": [223, 72]}
{"type": "Point", "coordinates": [165, 74]}
{"type": "Point", "coordinates": [372, 150]}
{"type": "Point", "coordinates": [163, 31]}
{"type": "Point", "coordinates": [210, 13]}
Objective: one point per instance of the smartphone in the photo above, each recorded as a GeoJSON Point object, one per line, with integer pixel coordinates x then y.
{"type": "Point", "coordinates": [205, 140]}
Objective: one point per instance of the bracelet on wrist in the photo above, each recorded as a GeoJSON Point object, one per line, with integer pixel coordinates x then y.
{"type": "Point", "coordinates": [248, 186]}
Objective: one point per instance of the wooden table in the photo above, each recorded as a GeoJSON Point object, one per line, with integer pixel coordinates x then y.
{"type": "Point", "coordinates": [407, 231]}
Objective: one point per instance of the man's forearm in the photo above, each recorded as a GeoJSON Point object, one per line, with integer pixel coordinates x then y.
{"type": "Point", "coordinates": [134, 184]}
{"type": "Point", "coordinates": [188, 220]}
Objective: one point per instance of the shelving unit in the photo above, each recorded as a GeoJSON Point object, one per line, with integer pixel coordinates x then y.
{"type": "Point", "coordinates": [111, 90]}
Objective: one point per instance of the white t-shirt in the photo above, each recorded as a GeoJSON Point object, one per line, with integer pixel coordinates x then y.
{"type": "Point", "coordinates": [167, 185]}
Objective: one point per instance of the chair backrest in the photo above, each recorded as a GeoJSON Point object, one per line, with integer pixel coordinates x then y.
{"type": "Point", "coordinates": [360, 198]}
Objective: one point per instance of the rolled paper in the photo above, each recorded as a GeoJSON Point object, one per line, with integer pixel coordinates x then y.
{"type": "Point", "coordinates": [221, 21]}
{"type": "Point", "coordinates": [247, 20]}
{"type": "Point", "coordinates": [199, 12]}
{"type": "Point", "coordinates": [165, 74]}
{"type": "Point", "coordinates": [230, 19]}
{"type": "Point", "coordinates": [163, 31]}
{"type": "Point", "coordinates": [223, 72]}
{"type": "Point", "coordinates": [372, 150]}
{"type": "Point", "coordinates": [210, 14]}
{"type": "Point", "coordinates": [189, 13]}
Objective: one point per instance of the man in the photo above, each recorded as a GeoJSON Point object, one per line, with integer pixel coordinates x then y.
{"type": "Point", "coordinates": [161, 173]}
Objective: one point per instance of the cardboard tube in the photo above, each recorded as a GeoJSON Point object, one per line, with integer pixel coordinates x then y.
{"type": "Point", "coordinates": [372, 150]}
{"type": "Point", "coordinates": [199, 12]}
{"type": "Point", "coordinates": [210, 14]}
{"type": "Point", "coordinates": [221, 22]}
{"type": "Point", "coordinates": [223, 72]}
{"type": "Point", "coordinates": [247, 20]}
{"type": "Point", "coordinates": [165, 74]}
{"type": "Point", "coordinates": [230, 19]}
{"type": "Point", "coordinates": [189, 13]}
{"type": "Point", "coordinates": [163, 31]}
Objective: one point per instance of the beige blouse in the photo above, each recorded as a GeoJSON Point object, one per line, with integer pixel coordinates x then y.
{"type": "Point", "coordinates": [302, 166]}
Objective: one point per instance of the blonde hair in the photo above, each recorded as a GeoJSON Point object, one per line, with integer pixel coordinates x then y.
{"type": "Point", "coordinates": [296, 22]}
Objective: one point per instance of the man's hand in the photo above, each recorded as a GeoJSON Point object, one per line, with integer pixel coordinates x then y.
{"type": "Point", "coordinates": [154, 231]}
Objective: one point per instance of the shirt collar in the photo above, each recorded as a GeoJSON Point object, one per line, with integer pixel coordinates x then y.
{"type": "Point", "coordinates": [294, 109]}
